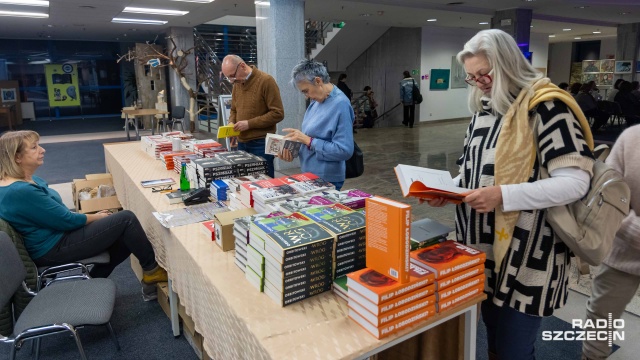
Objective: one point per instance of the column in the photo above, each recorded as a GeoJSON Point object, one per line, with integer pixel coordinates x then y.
{"type": "Point", "coordinates": [179, 96]}
{"type": "Point", "coordinates": [627, 47]}
{"type": "Point", "coordinates": [517, 23]}
{"type": "Point", "coordinates": [280, 30]}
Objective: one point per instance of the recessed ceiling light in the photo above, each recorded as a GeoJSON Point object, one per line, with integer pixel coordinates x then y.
{"type": "Point", "coordinates": [581, 7]}
{"type": "Point", "coordinates": [24, 14]}
{"type": "Point", "coordinates": [26, 2]}
{"type": "Point", "coordinates": [484, 23]}
{"type": "Point", "coordinates": [597, 32]}
{"type": "Point", "coordinates": [196, 1]}
{"type": "Point", "coordinates": [624, 13]}
{"type": "Point", "coordinates": [552, 36]}
{"type": "Point", "coordinates": [577, 38]}
{"type": "Point", "coordinates": [263, 3]}
{"type": "Point", "coordinates": [566, 29]}
{"type": "Point", "coordinates": [138, 21]}
{"type": "Point", "coordinates": [431, 20]}
{"type": "Point", "coordinates": [137, 10]}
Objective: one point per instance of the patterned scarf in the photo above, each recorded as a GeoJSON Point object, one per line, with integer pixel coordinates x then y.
{"type": "Point", "coordinates": [516, 152]}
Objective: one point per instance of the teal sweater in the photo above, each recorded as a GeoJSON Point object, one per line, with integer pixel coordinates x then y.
{"type": "Point", "coordinates": [38, 214]}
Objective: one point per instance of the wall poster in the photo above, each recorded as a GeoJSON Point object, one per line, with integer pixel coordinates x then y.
{"type": "Point", "coordinates": [62, 84]}
{"type": "Point", "coordinates": [457, 74]}
{"type": "Point", "coordinates": [439, 79]}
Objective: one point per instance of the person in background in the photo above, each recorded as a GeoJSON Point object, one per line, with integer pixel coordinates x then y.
{"type": "Point", "coordinates": [367, 104]}
{"type": "Point", "coordinates": [564, 86]}
{"type": "Point", "coordinates": [256, 106]}
{"type": "Point", "coordinates": [504, 212]}
{"type": "Point", "coordinates": [326, 131]}
{"type": "Point", "coordinates": [589, 107]}
{"type": "Point", "coordinates": [618, 277]}
{"type": "Point", "coordinates": [635, 86]}
{"type": "Point", "coordinates": [611, 95]}
{"type": "Point", "coordinates": [406, 96]}
{"type": "Point", "coordinates": [53, 235]}
{"type": "Point", "coordinates": [574, 90]}
{"type": "Point", "coordinates": [595, 92]}
{"type": "Point", "coordinates": [342, 85]}
{"type": "Point", "coordinates": [629, 105]}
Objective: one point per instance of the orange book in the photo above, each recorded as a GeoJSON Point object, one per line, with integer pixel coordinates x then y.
{"type": "Point", "coordinates": [395, 326]}
{"type": "Point", "coordinates": [448, 281]}
{"type": "Point", "coordinates": [378, 310]}
{"type": "Point", "coordinates": [388, 237]}
{"type": "Point", "coordinates": [460, 288]}
{"type": "Point", "coordinates": [378, 288]}
{"type": "Point", "coordinates": [395, 314]}
{"type": "Point", "coordinates": [447, 258]}
{"type": "Point", "coordinates": [428, 183]}
{"type": "Point", "coordinates": [460, 298]}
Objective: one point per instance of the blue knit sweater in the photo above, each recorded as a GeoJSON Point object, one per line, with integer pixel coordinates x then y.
{"type": "Point", "coordinates": [38, 214]}
{"type": "Point", "coordinates": [330, 124]}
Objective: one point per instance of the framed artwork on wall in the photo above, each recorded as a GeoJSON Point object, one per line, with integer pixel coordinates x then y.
{"type": "Point", "coordinates": [457, 75]}
{"type": "Point", "coordinates": [439, 79]}
{"type": "Point", "coordinates": [605, 79]}
{"type": "Point", "coordinates": [590, 66]}
{"type": "Point", "coordinates": [9, 95]}
{"type": "Point", "coordinates": [590, 77]}
{"type": "Point", "coordinates": [623, 67]}
{"type": "Point", "coordinates": [607, 65]}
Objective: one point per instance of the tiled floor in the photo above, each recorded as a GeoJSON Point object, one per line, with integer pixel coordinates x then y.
{"type": "Point", "coordinates": [431, 145]}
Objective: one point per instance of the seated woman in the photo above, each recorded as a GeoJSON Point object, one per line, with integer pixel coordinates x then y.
{"type": "Point", "coordinates": [326, 127]}
{"type": "Point", "coordinates": [52, 234]}
{"type": "Point", "coordinates": [589, 107]}
{"type": "Point", "coordinates": [367, 104]}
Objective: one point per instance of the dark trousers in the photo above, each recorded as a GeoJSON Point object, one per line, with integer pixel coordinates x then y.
{"type": "Point", "coordinates": [368, 120]}
{"type": "Point", "coordinates": [121, 234]}
{"type": "Point", "coordinates": [409, 115]}
{"type": "Point", "coordinates": [510, 334]}
{"type": "Point", "coordinates": [600, 118]}
{"type": "Point", "coordinates": [256, 147]}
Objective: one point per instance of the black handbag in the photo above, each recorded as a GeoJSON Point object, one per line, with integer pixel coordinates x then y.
{"type": "Point", "coordinates": [355, 164]}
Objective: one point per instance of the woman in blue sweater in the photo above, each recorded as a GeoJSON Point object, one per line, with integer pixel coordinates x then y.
{"type": "Point", "coordinates": [327, 127]}
{"type": "Point", "coordinates": [52, 234]}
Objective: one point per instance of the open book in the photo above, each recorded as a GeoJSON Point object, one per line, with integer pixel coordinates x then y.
{"type": "Point", "coordinates": [275, 143]}
{"type": "Point", "coordinates": [428, 183]}
{"type": "Point", "coordinates": [227, 131]}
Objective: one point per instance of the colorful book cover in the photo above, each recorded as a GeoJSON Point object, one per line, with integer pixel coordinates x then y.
{"type": "Point", "coordinates": [265, 226]}
{"type": "Point", "coordinates": [226, 131]}
{"type": "Point", "coordinates": [274, 193]}
{"type": "Point", "coordinates": [394, 326]}
{"type": "Point", "coordinates": [379, 288]}
{"type": "Point", "coordinates": [208, 228]}
{"type": "Point", "coordinates": [447, 258]}
{"type": "Point", "coordinates": [388, 237]}
{"type": "Point", "coordinates": [320, 213]}
{"type": "Point", "coordinates": [294, 239]}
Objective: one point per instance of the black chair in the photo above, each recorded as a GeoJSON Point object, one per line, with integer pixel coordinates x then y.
{"type": "Point", "coordinates": [60, 307]}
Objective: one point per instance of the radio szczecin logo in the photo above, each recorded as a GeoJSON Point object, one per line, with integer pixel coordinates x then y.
{"type": "Point", "coordinates": [608, 330]}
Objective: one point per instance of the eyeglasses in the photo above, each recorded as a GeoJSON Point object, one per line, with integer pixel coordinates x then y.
{"type": "Point", "coordinates": [232, 78]}
{"type": "Point", "coordinates": [161, 189]}
{"type": "Point", "coordinates": [484, 80]}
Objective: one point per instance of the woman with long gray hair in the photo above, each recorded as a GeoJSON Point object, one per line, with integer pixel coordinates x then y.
{"type": "Point", "coordinates": [504, 213]}
{"type": "Point", "coordinates": [326, 132]}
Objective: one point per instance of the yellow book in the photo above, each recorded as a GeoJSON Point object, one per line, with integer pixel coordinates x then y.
{"type": "Point", "coordinates": [227, 131]}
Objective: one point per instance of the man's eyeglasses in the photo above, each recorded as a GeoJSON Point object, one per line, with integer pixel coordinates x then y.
{"type": "Point", "coordinates": [232, 78]}
{"type": "Point", "coordinates": [161, 189]}
{"type": "Point", "coordinates": [484, 80]}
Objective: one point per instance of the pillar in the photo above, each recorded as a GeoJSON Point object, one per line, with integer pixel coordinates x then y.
{"type": "Point", "coordinates": [183, 38]}
{"type": "Point", "coordinates": [517, 23]}
{"type": "Point", "coordinates": [280, 30]}
{"type": "Point", "coordinates": [627, 47]}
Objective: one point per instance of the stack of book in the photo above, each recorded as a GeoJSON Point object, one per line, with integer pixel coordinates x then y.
{"type": "Point", "coordinates": [178, 160]}
{"type": "Point", "coordinates": [155, 144]}
{"type": "Point", "coordinates": [241, 232]}
{"type": "Point", "coordinates": [245, 163]}
{"type": "Point", "coordinates": [246, 189]}
{"type": "Point", "coordinates": [211, 152]}
{"type": "Point", "coordinates": [199, 146]}
{"type": "Point", "coordinates": [383, 306]}
{"type": "Point", "coordinates": [458, 269]}
{"type": "Point", "coordinates": [235, 203]}
{"type": "Point", "coordinates": [353, 198]}
{"type": "Point", "coordinates": [263, 197]}
{"type": "Point", "coordinates": [298, 203]}
{"type": "Point", "coordinates": [167, 157]}
{"type": "Point", "coordinates": [219, 190]}
{"type": "Point", "coordinates": [340, 287]}
{"type": "Point", "coordinates": [427, 232]}
{"type": "Point", "coordinates": [307, 183]}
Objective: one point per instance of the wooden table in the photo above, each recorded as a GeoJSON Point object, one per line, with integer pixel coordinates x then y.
{"type": "Point", "coordinates": [9, 111]}
{"type": "Point", "coordinates": [235, 320]}
{"type": "Point", "coordinates": [131, 114]}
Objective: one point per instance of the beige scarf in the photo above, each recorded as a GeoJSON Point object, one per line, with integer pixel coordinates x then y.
{"type": "Point", "coordinates": [516, 153]}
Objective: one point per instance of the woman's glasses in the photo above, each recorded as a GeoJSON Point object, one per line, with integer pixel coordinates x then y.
{"type": "Point", "coordinates": [161, 189]}
{"type": "Point", "coordinates": [484, 80]}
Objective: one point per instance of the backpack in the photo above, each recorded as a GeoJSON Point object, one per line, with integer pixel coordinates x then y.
{"type": "Point", "coordinates": [415, 93]}
{"type": "Point", "coordinates": [589, 225]}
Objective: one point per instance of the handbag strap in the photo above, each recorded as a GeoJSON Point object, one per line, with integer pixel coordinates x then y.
{"type": "Point", "coordinates": [544, 173]}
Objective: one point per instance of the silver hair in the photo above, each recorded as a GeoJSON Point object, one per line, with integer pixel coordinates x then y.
{"type": "Point", "coordinates": [511, 71]}
{"type": "Point", "coordinates": [309, 70]}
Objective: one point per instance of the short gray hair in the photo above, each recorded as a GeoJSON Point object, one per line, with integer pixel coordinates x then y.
{"type": "Point", "coordinates": [308, 70]}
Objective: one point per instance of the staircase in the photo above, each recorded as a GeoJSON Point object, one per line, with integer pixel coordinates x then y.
{"type": "Point", "coordinates": [316, 35]}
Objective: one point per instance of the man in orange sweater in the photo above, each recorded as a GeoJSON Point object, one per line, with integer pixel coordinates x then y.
{"type": "Point", "coordinates": [256, 106]}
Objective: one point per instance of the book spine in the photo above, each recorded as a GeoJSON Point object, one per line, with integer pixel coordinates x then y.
{"type": "Point", "coordinates": [425, 292]}
{"type": "Point", "coordinates": [312, 253]}
{"type": "Point", "coordinates": [407, 310]}
{"type": "Point", "coordinates": [460, 277]}
{"type": "Point", "coordinates": [460, 298]}
{"type": "Point", "coordinates": [350, 245]}
{"type": "Point", "coordinates": [299, 282]}
{"type": "Point", "coordinates": [303, 268]}
{"type": "Point", "coordinates": [460, 288]}
{"type": "Point", "coordinates": [406, 321]}
{"type": "Point", "coordinates": [301, 294]}
{"type": "Point", "coordinates": [344, 255]}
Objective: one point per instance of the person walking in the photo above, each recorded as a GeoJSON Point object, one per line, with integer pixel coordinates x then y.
{"type": "Point", "coordinates": [408, 102]}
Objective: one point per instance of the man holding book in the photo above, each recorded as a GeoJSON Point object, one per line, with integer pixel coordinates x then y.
{"type": "Point", "coordinates": [256, 106]}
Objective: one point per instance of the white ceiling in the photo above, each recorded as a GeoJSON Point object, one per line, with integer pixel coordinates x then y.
{"type": "Point", "coordinates": [91, 19]}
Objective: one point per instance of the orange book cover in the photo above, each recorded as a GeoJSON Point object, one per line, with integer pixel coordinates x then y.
{"type": "Point", "coordinates": [447, 258]}
{"type": "Point", "coordinates": [395, 326]}
{"type": "Point", "coordinates": [395, 314]}
{"type": "Point", "coordinates": [428, 183]}
{"type": "Point", "coordinates": [460, 298]}
{"type": "Point", "coordinates": [377, 310]}
{"type": "Point", "coordinates": [379, 288]}
{"type": "Point", "coordinates": [448, 281]}
{"type": "Point", "coordinates": [460, 287]}
{"type": "Point", "coordinates": [388, 237]}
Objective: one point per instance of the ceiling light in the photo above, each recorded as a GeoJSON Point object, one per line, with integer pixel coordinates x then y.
{"type": "Point", "coordinates": [531, 26]}
{"type": "Point", "coordinates": [263, 3]}
{"type": "Point", "coordinates": [26, 2]}
{"type": "Point", "coordinates": [577, 38]}
{"type": "Point", "coordinates": [431, 20]}
{"type": "Point", "coordinates": [23, 14]}
{"type": "Point", "coordinates": [196, 1]}
{"type": "Point", "coordinates": [566, 29]}
{"type": "Point", "coordinates": [581, 7]}
{"type": "Point", "coordinates": [138, 21]}
{"type": "Point", "coordinates": [552, 36]}
{"type": "Point", "coordinates": [137, 10]}
{"type": "Point", "coordinates": [484, 23]}
{"type": "Point", "coordinates": [597, 32]}
{"type": "Point", "coordinates": [624, 13]}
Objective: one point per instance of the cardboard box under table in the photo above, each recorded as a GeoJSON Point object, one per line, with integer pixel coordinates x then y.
{"type": "Point", "coordinates": [92, 205]}
{"type": "Point", "coordinates": [235, 320]}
